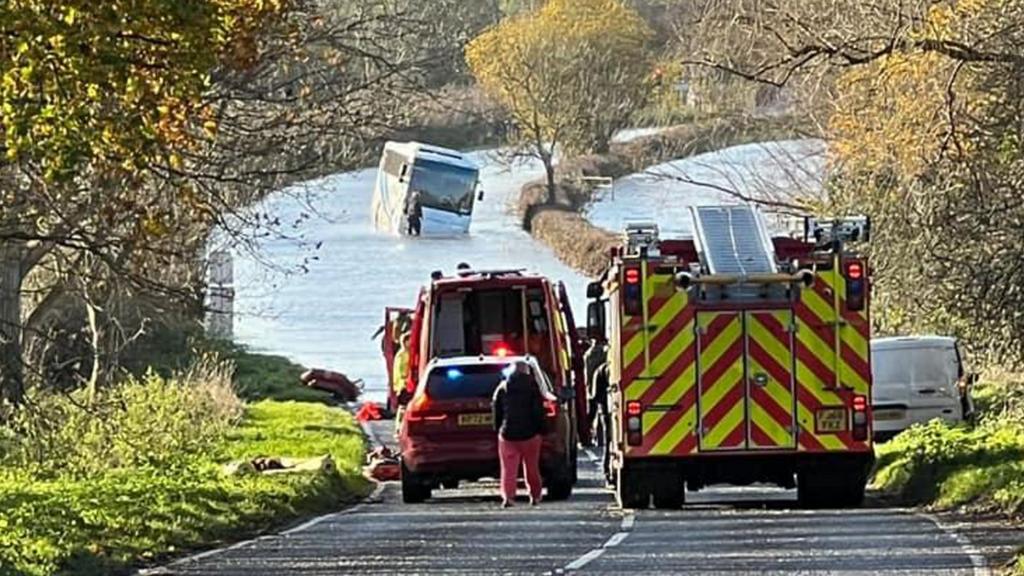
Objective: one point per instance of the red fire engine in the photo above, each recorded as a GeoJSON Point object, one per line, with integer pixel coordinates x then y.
{"type": "Point", "coordinates": [737, 358]}
{"type": "Point", "coordinates": [493, 313]}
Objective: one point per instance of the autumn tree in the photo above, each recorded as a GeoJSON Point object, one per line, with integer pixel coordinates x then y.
{"type": "Point", "coordinates": [921, 105]}
{"type": "Point", "coordinates": [130, 130]}
{"type": "Point", "coordinates": [570, 74]}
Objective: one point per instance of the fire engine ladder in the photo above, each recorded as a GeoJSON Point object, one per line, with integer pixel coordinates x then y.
{"type": "Point", "coordinates": [733, 240]}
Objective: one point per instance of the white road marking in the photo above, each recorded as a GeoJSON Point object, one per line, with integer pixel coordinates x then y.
{"type": "Point", "coordinates": [584, 560]}
{"type": "Point", "coordinates": [614, 540]}
{"type": "Point", "coordinates": [373, 497]}
{"type": "Point", "coordinates": [978, 561]}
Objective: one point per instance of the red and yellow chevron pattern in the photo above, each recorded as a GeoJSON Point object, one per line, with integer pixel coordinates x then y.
{"type": "Point", "coordinates": [770, 381]}
{"type": "Point", "coordinates": [734, 380]}
{"type": "Point", "coordinates": [721, 381]}
{"type": "Point", "coordinates": [659, 369]}
{"type": "Point", "coordinates": [833, 363]}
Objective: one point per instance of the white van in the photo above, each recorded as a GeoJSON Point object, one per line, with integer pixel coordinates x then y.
{"type": "Point", "coordinates": [917, 379]}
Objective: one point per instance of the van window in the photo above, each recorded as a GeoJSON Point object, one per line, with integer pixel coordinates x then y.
{"type": "Point", "coordinates": [477, 322]}
{"type": "Point", "coordinates": [464, 382]}
{"type": "Point", "coordinates": [934, 366]}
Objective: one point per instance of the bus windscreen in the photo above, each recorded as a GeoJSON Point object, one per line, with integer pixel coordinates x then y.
{"type": "Point", "coordinates": [443, 186]}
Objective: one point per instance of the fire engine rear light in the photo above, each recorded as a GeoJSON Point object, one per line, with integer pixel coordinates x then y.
{"type": "Point", "coordinates": [550, 408]}
{"type": "Point", "coordinates": [633, 408]}
{"type": "Point", "coordinates": [860, 403]}
{"type": "Point", "coordinates": [854, 270]}
{"type": "Point", "coordinates": [856, 285]}
{"type": "Point", "coordinates": [634, 438]}
{"type": "Point", "coordinates": [633, 424]}
{"type": "Point", "coordinates": [632, 293]}
{"type": "Point", "coordinates": [860, 418]}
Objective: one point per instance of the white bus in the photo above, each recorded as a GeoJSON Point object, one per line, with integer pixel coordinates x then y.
{"type": "Point", "coordinates": [442, 181]}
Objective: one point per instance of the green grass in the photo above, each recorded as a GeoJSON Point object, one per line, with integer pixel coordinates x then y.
{"type": "Point", "coordinates": [106, 524]}
{"type": "Point", "coordinates": [945, 467]}
{"type": "Point", "coordinates": [264, 376]}
{"type": "Point", "coordinates": [299, 430]}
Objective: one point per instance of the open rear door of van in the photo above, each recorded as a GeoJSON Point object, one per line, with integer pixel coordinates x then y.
{"type": "Point", "coordinates": [577, 349]}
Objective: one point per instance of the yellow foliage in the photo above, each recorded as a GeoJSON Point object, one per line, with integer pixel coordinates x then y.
{"type": "Point", "coordinates": [565, 70]}
{"type": "Point", "coordinates": [897, 114]}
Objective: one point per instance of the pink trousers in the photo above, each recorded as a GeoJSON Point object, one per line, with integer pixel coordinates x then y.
{"type": "Point", "coordinates": [512, 452]}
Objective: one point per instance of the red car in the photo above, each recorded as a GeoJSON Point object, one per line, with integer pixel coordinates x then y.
{"type": "Point", "coordinates": [447, 433]}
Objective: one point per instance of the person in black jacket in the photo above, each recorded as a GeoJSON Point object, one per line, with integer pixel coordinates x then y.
{"type": "Point", "coordinates": [519, 420]}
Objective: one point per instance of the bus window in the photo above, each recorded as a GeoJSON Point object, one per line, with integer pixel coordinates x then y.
{"type": "Point", "coordinates": [444, 186]}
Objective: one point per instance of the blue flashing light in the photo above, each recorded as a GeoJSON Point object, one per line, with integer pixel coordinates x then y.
{"type": "Point", "coordinates": [454, 373]}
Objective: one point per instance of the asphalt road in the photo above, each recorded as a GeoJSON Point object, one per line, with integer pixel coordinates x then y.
{"type": "Point", "coordinates": [720, 531]}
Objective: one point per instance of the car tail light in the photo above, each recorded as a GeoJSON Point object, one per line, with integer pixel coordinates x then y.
{"type": "Point", "coordinates": [550, 408]}
{"type": "Point", "coordinates": [856, 285]}
{"type": "Point", "coordinates": [860, 418]}
{"type": "Point", "coordinates": [632, 292]}
{"type": "Point", "coordinates": [419, 411]}
{"type": "Point", "coordinates": [634, 423]}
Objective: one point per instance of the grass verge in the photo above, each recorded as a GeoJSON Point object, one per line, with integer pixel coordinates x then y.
{"type": "Point", "coordinates": [107, 524]}
{"type": "Point", "coordinates": [978, 469]}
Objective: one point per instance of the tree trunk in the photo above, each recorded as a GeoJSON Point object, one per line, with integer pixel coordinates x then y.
{"type": "Point", "coordinates": [549, 169]}
{"type": "Point", "coordinates": [12, 387]}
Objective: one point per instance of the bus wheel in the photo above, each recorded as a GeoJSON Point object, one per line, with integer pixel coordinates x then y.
{"type": "Point", "coordinates": [629, 490]}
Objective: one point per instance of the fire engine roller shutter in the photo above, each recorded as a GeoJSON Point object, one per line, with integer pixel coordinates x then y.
{"type": "Point", "coordinates": [770, 380]}
{"type": "Point", "coordinates": [823, 327]}
{"type": "Point", "coordinates": [659, 368]}
{"type": "Point", "coordinates": [721, 381]}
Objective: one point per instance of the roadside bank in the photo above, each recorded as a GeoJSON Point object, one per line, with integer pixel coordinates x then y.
{"type": "Point", "coordinates": [582, 245]}
{"type": "Point", "coordinates": [974, 475]}
{"type": "Point", "coordinates": [154, 467]}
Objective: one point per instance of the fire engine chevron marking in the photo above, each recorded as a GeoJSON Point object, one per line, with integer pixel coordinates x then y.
{"type": "Point", "coordinates": [766, 415]}
{"type": "Point", "coordinates": [721, 377]}
{"type": "Point", "coordinates": [855, 370]}
{"type": "Point", "coordinates": [723, 417]}
{"type": "Point", "coordinates": [680, 372]}
{"type": "Point", "coordinates": [776, 397]}
{"type": "Point", "coordinates": [676, 433]}
{"type": "Point", "coordinates": [658, 425]}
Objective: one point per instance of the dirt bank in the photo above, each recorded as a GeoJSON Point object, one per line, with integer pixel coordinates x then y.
{"type": "Point", "coordinates": [582, 245]}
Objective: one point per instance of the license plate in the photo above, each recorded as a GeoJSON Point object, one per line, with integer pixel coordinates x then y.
{"type": "Point", "coordinates": [890, 414]}
{"type": "Point", "coordinates": [830, 420]}
{"type": "Point", "coordinates": [483, 419]}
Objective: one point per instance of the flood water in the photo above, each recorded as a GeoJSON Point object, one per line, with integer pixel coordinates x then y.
{"type": "Point", "coordinates": [325, 315]}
